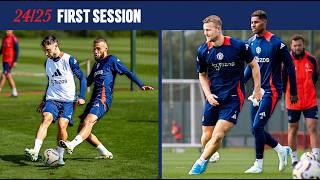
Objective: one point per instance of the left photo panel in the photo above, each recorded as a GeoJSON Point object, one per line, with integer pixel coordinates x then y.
{"type": "Point", "coordinates": [79, 104]}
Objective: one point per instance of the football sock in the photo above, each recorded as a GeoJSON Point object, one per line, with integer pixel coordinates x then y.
{"type": "Point", "coordinates": [60, 151]}
{"type": "Point", "coordinates": [278, 148]}
{"type": "Point", "coordinates": [37, 145]}
{"type": "Point", "coordinates": [14, 92]}
{"type": "Point", "coordinates": [102, 149]}
{"type": "Point", "coordinates": [294, 156]}
{"type": "Point", "coordinates": [201, 161]}
{"type": "Point", "coordinates": [259, 162]}
{"type": "Point", "coordinates": [316, 151]}
{"type": "Point", "coordinates": [77, 140]}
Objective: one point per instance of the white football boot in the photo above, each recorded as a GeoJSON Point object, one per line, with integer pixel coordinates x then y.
{"type": "Point", "coordinates": [31, 153]}
{"type": "Point", "coordinates": [108, 155]}
{"type": "Point", "coordinates": [66, 145]}
{"type": "Point", "coordinates": [283, 157]}
{"type": "Point", "coordinates": [255, 169]}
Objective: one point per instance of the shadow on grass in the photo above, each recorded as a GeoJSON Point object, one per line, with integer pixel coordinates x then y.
{"type": "Point", "coordinates": [86, 159]}
{"type": "Point", "coordinates": [16, 159]}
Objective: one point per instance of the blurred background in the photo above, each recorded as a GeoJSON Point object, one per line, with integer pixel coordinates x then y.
{"type": "Point", "coordinates": [182, 99]}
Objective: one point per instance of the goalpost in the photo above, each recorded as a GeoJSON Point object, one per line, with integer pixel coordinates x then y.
{"type": "Point", "coordinates": [182, 101]}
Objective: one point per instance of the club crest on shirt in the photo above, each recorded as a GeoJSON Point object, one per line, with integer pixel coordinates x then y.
{"type": "Point", "coordinates": [220, 56]}
{"type": "Point", "coordinates": [258, 50]}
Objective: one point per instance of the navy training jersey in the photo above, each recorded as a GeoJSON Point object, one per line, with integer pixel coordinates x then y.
{"type": "Point", "coordinates": [224, 65]}
{"type": "Point", "coordinates": [270, 52]}
{"type": "Point", "coordinates": [103, 75]}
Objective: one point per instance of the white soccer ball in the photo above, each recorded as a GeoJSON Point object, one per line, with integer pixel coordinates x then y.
{"type": "Point", "coordinates": [306, 169]}
{"type": "Point", "coordinates": [50, 157]}
{"type": "Point", "coordinates": [308, 156]}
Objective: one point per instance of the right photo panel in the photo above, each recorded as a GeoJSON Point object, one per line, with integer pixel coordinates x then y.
{"type": "Point", "coordinates": [239, 104]}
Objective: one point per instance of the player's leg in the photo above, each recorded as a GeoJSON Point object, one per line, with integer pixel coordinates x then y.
{"type": "Point", "coordinates": [5, 67]}
{"type": "Point", "coordinates": [205, 137]}
{"type": "Point", "coordinates": [50, 114]}
{"type": "Point", "coordinates": [12, 85]}
{"type": "Point", "coordinates": [84, 133]}
{"type": "Point", "coordinates": [206, 134]}
{"type": "Point", "coordinates": [262, 137]}
{"type": "Point", "coordinates": [293, 127]}
{"type": "Point", "coordinates": [219, 132]}
{"type": "Point", "coordinates": [3, 80]}
{"type": "Point", "coordinates": [311, 116]}
{"type": "Point", "coordinates": [62, 135]}
{"type": "Point", "coordinates": [94, 141]}
{"type": "Point", "coordinates": [228, 114]}
{"type": "Point", "coordinates": [47, 119]}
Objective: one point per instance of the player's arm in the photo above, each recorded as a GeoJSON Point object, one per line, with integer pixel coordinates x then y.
{"type": "Point", "coordinates": [91, 76]}
{"type": "Point", "coordinates": [83, 81]}
{"type": "Point", "coordinates": [252, 70]}
{"type": "Point", "coordinates": [247, 74]}
{"type": "Point", "coordinates": [289, 65]}
{"type": "Point", "coordinates": [315, 73]}
{"type": "Point", "coordinates": [284, 74]}
{"type": "Point", "coordinates": [204, 82]}
{"type": "Point", "coordinates": [41, 105]}
{"type": "Point", "coordinates": [120, 68]}
{"type": "Point", "coordinates": [256, 79]}
{"type": "Point", "coordinates": [203, 77]}
{"type": "Point", "coordinates": [16, 50]}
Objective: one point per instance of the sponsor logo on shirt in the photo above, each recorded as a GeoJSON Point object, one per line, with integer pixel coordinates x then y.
{"type": "Point", "coordinates": [218, 66]}
{"type": "Point", "coordinates": [262, 60]}
{"type": "Point", "coordinates": [98, 72]}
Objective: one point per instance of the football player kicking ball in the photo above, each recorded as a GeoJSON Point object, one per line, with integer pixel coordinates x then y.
{"type": "Point", "coordinates": [103, 75]}
{"type": "Point", "coordinates": [58, 102]}
{"type": "Point", "coordinates": [270, 53]}
{"type": "Point", "coordinates": [220, 64]}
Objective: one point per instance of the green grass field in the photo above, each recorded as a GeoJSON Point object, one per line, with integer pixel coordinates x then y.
{"type": "Point", "coordinates": [129, 130]}
{"type": "Point", "coordinates": [233, 162]}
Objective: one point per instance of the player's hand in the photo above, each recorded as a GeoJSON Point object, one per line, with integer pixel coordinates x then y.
{"type": "Point", "coordinates": [146, 88]}
{"type": "Point", "coordinates": [81, 101]}
{"type": "Point", "coordinates": [294, 99]}
{"type": "Point", "coordinates": [212, 100]}
{"type": "Point", "coordinates": [257, 95]}
{"type": "Point", "coordinates": [40, 107]}
{"type": "Point", "coordinates": [15, 64]}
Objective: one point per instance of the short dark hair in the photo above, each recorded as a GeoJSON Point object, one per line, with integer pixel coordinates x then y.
{"type": "Point", "coordinates": [259, 13]}
{"type": "Point", "coordinates": [214, 19]}
{"type": "Point", "coordinates": [48, 40]}
{"type": "Point", "coordinates": [297, 37]}
{"type": "Point", "coordinates": [99, 39]}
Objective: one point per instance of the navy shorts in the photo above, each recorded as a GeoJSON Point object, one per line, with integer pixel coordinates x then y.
{"type": "Point", "coordinates": [59, 109]}
{"type": "Point", "coordinates": [228, 110]}
{"type": "Point", "coordinates": [294, 115]}
{"type": "Point", "coordinates": [6, 67]}
{"type": "Point", "coordinates": [96, 108]}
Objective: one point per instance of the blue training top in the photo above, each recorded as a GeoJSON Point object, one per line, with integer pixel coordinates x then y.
{"type": "Point", "coordinates": [103, 75]}
{"type": "Point", "coordinates": [224, 65]}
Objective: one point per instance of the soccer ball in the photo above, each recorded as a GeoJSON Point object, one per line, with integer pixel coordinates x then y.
{"type": "Point", "coordinates": [308, 156]}
{"type": "Point", "coordinates": [306, 169]}
{"type": "Point", "coordinates": [50, 157]}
